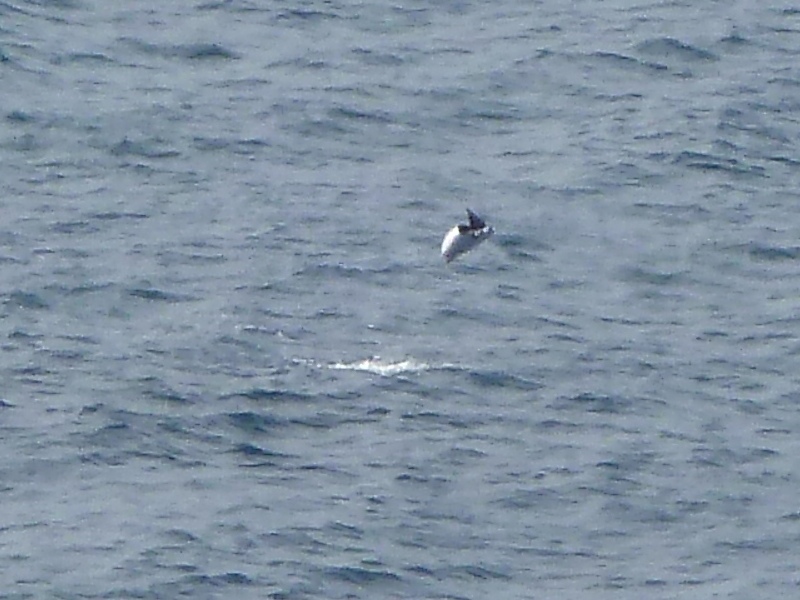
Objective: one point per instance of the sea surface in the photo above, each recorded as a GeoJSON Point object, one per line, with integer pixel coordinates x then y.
{"type": "Point", "coordinates": [234, 365]}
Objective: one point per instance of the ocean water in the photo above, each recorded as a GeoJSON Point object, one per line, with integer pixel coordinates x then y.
{"type": "Point", "coordinates": [234, 364]}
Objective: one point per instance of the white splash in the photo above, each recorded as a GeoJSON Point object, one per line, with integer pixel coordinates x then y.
{"type": "Point", "coordinates": [382, 367]}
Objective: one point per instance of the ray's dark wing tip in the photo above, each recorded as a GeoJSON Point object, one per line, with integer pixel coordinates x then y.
{"type": "Point", "coordinates": [475, 222]}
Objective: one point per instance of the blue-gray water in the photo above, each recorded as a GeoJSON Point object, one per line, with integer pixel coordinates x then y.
{"type": "Point", "coordinates": [234, 364]}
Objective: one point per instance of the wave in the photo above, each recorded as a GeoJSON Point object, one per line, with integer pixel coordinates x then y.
{"type": "Point", "coordinates": [772, 252]}
{"type": "Point", "coordinates": [711, 162]}
{"type": "Point", "coordinates": [671, 48]}
{"type": "Point", "coordinates": [195, 51]}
